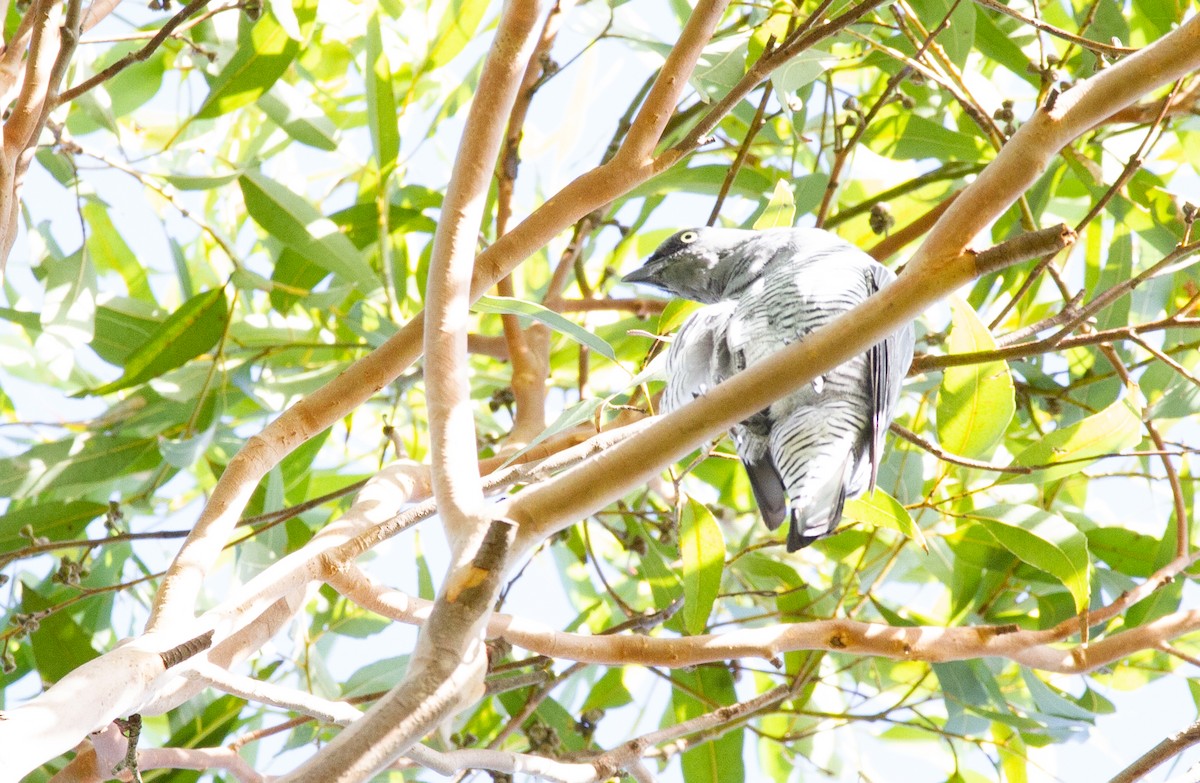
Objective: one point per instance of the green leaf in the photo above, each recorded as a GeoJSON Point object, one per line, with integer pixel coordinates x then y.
{"type": "Point", "coordinates": [456, 29]}
{"type": "Point", "coordinates": [1117, 427]}
{"type": "Point", "coordinates": [959, 36]}
{"type": "Point", "coordinates": [261, 58]}
{"type": "Point", "coordinates": [294, 275]}
{"type": "Point", "coordinates": [999, 46]}
{"type": "Point", "coordinates": [201, 182]}
{"type": "Point", "coordinates": [908, 136]}
{"type": "Point", "coordinates": [134, 85]}
{"type": "Point", "coordinates": [68, 311]}
{"type": "Point", "coordinates": [184, 453]}
{"type": "Point", "coordinates": [425, 588]}
{"type": "Point", "coordinates": [1043, 540]}
{"type": "Point", "coordinates": [188, 332]}
{"type": "Point", "coordinates": [702, 548]}
{"type": "Point", "coordinates": [697, 690]}
{"type": "Point", "coordinates": [799, 71]}
{"type": "Point", "coordinates": [704, 180]}
{"type": "Point", "coordinates": [507, 305]}
{"type": "Point", "coordinates": [576, 414]}
{"type": "Point", "coordinates": [609, 691]}
{"type": "Point", "coordinates": [663, 581]}
{"type": "Point", "coordinates": [1051, 702]}
{"type": "Point", "coordinates": [882, 510]}
{"type": "Point", "coordinates": [720, 67]}
{"type": "Point", "coordinates": [54, 520]}
{"type": "Point", "coordinates": [379, 675]}
{"type": "Point", "coordinates": [299, 117]}
{"type": "Point", "coordinates": [1013, 755]}
{"type": "Point", "coordinates": [68, 466]}
{"type": "Point", "coordinates": [381, 101]}
{"type": "Point", "coordinates": [975, 402]}
{"type": "Point", "coordinates": [675, 313]}
{"type": "Point", "coordinates": [109, 250]}
{"type": "Point", "coordinates": [293, 221]}
{"type": "Point", "coordinates": [60, 644]}
{"type": "Point", "coordinates": [1127, 551]}
{"type": "Point", "coordinates": [781, 209]}
{"type": "Point", "coordinates": [118, 332]}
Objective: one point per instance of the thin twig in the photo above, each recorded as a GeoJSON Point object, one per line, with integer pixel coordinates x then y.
{"type": "Point", "coordinates": [141, 55]}
{"type": "Point", "coordinates": [1046, 27]}
{"type": "Point", "coordinates": [1167, 749]}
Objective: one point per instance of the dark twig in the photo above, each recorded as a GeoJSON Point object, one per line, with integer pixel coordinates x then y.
{"type": "Point", "coordinates": [133, 57]}
{"type": "Point", "coordinates": [1167, 749]}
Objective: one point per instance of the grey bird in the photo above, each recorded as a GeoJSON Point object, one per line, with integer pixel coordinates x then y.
{"type": "Point", "coordinates": [809, 451]}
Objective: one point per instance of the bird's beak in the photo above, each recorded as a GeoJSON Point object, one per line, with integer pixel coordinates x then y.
{"type": "Point", "coordinates": [640, 275]}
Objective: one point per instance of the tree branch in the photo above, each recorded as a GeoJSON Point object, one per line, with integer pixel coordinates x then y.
{"type": "Point", "coordinates": [452, 440]}
{"type": "Point", "coordinates": [916, 643]}
{"type": "Point", "coordinates": [141, 55]}
{"type": "Point", "coordinates": [1168, 749]}
{"type": "Point", "coordinates": [445, 673]}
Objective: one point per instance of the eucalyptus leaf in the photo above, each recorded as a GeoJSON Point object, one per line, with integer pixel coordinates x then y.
{"type": "Point", "coordinates": [509, 306]}
{"type": "Point", "coordinates": [1045, 541]}
{"type": "Point", "coordinates": [976, 401]}
{"type": "Point", "coordinates": [703, 551]}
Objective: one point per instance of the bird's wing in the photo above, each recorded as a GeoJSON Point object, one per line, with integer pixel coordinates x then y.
{"type": "Point", "coordinates": [698, 357]}
{"type": "Point", "coordinates": [706, 351]}
{"type": "Point", "coordinates": [887, 364]}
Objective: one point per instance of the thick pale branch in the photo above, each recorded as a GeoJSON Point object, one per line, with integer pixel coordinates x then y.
{"type": "Point", "coordinates": [527, 348]}
{"type": "Point", "coordinates": [452, 441]}
{"type": "Point", "coordinates": [324, 710]}
{"type": "Point", "coordinates": [664, 95]}
{"type": "Point", "coordinates": [444, 675]}
{"type": "Point", "coordinates": [21, 124]}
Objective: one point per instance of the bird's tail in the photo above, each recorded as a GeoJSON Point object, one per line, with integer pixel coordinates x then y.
{"type": "Point", "coordinates": [818, 453]}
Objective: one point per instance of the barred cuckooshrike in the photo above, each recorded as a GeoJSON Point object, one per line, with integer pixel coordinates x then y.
{"type": "Point", "coordinates": [819, 444]}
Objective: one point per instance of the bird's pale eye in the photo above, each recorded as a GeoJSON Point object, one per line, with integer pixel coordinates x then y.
{"type": "Point", "coordinates": [687, 237]}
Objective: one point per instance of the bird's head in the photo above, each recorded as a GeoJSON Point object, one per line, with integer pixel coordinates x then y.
{"type": "Point", "coordinates": [687, 263]}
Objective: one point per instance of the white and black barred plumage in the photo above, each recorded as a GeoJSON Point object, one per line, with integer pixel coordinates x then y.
{"type": "Point", "coordinates": [812, 449]}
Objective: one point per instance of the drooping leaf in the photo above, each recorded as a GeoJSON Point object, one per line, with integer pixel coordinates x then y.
{"type": "Point", "coordinates": [299, 117]}
{"type": "Point", "coordinates": [1045, 541]}
{"type": "Point", "coordinates": [381, 102]}
{"type": "Point", "coordinates": [119, 331]}
{"type": "Point", "coordinates": [976, 401]}
{"type": "Point", "coordinates": [59, 642]}
{"type": "Point", "coordinates": [67, 467]}
{"type": "Point", "coordinates": [293, 221]}
{"type": "Point", "coordinates": [799, 71]}
{"type": "Point", "coordinates": [781, 209]}
{"type": "Point", "coordinates": [1014, 758]}
{"type": "Point", "coordinates": [509, 306]}
{"type": "Point", "coordinates": [908, 136]}
{"type": "Point", "coordinates": [702, 548]}
{"type": "Point", "coordinates": [262, 57]}
{"type": "Point", "coordinates": [54, 520]}
{"type": "Point", "coordinates": [188, 332]}
{"type": "Point", "coordinates": [109, 250]}
{"type": "Point", "coordinates": [1117, 427]}
{"type": "Point", "coordinates": [718, 761]}
{"type": "Point", "coordinates": [882, 510]}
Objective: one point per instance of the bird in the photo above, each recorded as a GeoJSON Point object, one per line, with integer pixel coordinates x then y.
{"type": "Point", "coordinates": [807, 452]}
